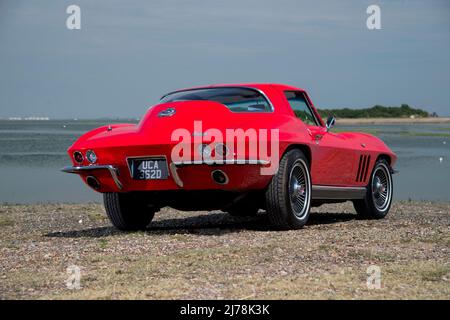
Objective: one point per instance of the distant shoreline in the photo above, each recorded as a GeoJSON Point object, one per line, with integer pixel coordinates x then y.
{"type": "Point", "coordinates": [391, 120]}
{"type": "Point", "coordinates": [345, 121]}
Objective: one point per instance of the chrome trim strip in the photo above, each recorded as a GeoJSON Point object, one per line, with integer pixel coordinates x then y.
{"type": "Point", "coordinates": [175, 176]}
{"type": "Point", "coordinates": [114, 171]}
{"type": "Point", "coordinates": [331, 192]}
{"type": "Point", "coordinates": [222, 162]}
{"type": "Point", "coordinates": [272, 108]}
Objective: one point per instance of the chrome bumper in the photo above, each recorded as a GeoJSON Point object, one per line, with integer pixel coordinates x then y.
{"type": "Point", "coordinates": [173, 167]}
{"type": "Point", "coordinates": [112, 170]}
{"type": "Point", "coordinates": [394, 171]}
{"type": "Point", "coordinates": [222, 162]}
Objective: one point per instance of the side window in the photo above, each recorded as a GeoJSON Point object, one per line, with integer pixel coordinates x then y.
{"type": "Point", "coordinates": [298, 103]}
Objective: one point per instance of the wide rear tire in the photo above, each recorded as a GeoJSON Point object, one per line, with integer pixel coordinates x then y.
{"type": "Point", "coordinates": [288, 196]}
{"type": "Point", "coordinates": [127, 212]}
{"type": "Point", "coordinates": [378, 199]}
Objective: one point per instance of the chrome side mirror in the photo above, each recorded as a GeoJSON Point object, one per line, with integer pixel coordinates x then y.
{"type": "Point", "coordinates": [330, 122]}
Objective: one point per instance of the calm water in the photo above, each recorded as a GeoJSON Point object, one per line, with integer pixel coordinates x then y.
{"type": "Point", "coordinates": [32, 152]}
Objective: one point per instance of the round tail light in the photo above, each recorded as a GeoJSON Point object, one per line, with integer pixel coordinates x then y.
{"type": "Point", "coordinates": [221, 150]}
{"type": "Point", "coordinates": [78, 157]}
{"type": "Point", "coordinates": [205, 150]}
{"type": "Point", "coordinates": [91, 156]}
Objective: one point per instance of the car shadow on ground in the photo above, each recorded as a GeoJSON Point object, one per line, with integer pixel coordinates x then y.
{"type": "Point", "coordinates": [205, 224]}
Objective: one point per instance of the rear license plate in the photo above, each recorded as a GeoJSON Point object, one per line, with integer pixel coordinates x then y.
{"type": "Point", "coordinates": [149, 169]}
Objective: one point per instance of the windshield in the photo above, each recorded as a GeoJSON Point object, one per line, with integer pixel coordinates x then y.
{"type": "Point", "coordinates": [236, 99]}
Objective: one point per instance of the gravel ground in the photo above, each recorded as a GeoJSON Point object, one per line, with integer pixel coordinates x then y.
{"type": "Point", "coordinates": [210, 255]}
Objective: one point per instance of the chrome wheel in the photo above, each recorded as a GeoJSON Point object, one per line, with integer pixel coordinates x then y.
{"type": "Point", "coordinates": [299, 189]}
{"type": "Point", "coordinates": [288, 196]}
{"type": "Point", "coordinates": [381, 187]}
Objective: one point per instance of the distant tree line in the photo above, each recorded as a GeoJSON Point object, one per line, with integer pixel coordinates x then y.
{"type": "Point", "coordinates": [377, 111]}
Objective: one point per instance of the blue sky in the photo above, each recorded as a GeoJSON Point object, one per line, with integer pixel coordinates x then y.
{"type": "Point", "coordinates": [128, 53]}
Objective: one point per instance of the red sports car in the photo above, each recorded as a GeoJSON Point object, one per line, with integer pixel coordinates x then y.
{"type": "Point", "coordinates": [238, 148]}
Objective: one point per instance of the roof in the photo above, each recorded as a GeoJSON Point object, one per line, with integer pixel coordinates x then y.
{"type": "Point", "coordinates": [260, 86]}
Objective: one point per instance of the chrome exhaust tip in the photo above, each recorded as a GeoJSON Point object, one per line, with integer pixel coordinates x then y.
{"type": "Point", "coordinates": [219, 177]}
{"type": "Point", "coordinates": [93, 182]}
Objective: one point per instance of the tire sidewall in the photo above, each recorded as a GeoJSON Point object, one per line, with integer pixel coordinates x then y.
{"type": "Point", "coordinates": [377, 213]}
{"type": "Point", "coordinates": [127, 213]}
{"type": "Point", "coordinates": [297, 157]}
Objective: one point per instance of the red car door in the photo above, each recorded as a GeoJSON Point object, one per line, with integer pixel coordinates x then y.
{"type": "Point", "coordinates": [333, 155]}
{"type": "Point", "coordinates": [333, 158]}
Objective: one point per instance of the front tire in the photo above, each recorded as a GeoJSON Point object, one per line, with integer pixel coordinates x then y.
{"type": "Point", "coordinates": [127, 212]}
{"type": "Point", "coordinates": [288, 196]}
{"type": "Point", "coordinates": [378, 198]}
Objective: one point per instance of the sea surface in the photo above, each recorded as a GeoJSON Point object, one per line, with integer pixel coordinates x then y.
{"type": "Point", "coordinates": [33, 152]}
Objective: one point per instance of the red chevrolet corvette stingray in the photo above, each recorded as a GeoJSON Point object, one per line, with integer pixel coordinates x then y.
{"type": "Point", "coordinates": [237, 148]}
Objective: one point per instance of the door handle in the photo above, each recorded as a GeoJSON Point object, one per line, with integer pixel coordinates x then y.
{"type": "Point", "coordinates": [318, 137]}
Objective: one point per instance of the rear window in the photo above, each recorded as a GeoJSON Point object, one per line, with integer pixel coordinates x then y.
{"type": "Point", "coordinates": [236, 99]}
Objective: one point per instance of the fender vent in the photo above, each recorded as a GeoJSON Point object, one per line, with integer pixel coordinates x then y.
{"type": "Point", "coordinates": [363, 167]}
